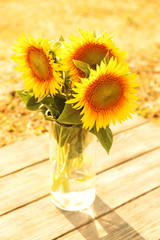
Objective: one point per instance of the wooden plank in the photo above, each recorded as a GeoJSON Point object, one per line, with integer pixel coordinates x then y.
{"type": "Point", "coordinates": [127, 145]}
{"type": "Point", "coordinates": [135, 143]}
{"type": "Point", "coordinates": [138, 220]}
{"type": "Point", "coordinates": [24, 186]}
{"type": "Point", "coordinates": [41, 220]}
{"type": "Point", "coordinates": [130, 123]}
{"type": "Point", "coordinates": [22, 154]}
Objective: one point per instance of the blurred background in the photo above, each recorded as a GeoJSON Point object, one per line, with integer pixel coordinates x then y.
{"type": "Point", "coordinates": [135, 25]}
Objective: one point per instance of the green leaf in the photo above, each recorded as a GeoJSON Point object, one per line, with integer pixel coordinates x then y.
{"type": "Point", "coordinates": [24, 95]}
{"type": "Point", "coordinates": [49, 112]}
{"type": "Point", "coordinates": [52, 107]}
{"type": "Point", "coordinates": [82, 66]}
{"type": "Point", "coordinates": [64, 135]}
{"type": "Point", "coordinates": [40, 99]}
{"type": "Point", "coordinates": [106, 58]}
{"type": "Point", "coordinates": [49, 118]}
{"type": "Point", "coordinates": [104, 136]}
{"type": "Point", "coordinates": [79, 139]}
{"type": "Point", "coordinates": [94, 33]}
{"type": "Point", "coordinates": [61, 38]}
{"type": "Point", "coordinates": [54, 112]}
{"type": "Point", "coordinates": [70, 116]}
{"type": "Point", "coordinates": [73, 151]}
{"type": "Point", "coordinates": [56, 45]}
{"type": "Point", "coordinates": [59, 102]}
{"type": "Point", "coordinates": [29, 100]}
{"type": "Point", "coordinates": [53, 55]}
{"type": "Point", "coordinates": [43, 109]}
{"type": "Point", "coordinates": [32, 104]}
{"type": "Point", "coordinates": [47, 100]}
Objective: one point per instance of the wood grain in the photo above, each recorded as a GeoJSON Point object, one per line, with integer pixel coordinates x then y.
{"type": "Point", "coordinates": [129, 124]}
{"type": "Point", "coordinates": [24, 186]}
{"type": "Point", "coordinates": [41, 220]}
{"type": "Point", "coordinates": [128, 145]}
{"type": "Point", "coordinates": [138, 220]}
{"type": "Point", "coordinates": [21, 186]}
{"type": "Point", "coordinates": [22, 154]}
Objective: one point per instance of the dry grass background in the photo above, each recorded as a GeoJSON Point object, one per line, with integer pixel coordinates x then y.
{"type": "Point", "coordinates": [136, 28]}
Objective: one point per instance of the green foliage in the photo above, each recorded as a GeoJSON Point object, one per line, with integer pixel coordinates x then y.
{"type": "Point", "coordinates": [64, 135]}
{"type": "Point", "coordinates": [55, 109]}
{"type": "Point", "coordinates": [106, 58]}
{"type": "Point", "coordinates": [51, 107]}
{"type": "Point", "coordinates": [32, 104]}
{"type": "Point", "coordinates": [83, 67]}
{"type": "Point", "coordinates": [104, 136]}
{"type": "Point", "coordinates": [29, 100]}
{"type": "Point", "coordinates": [24, 95]}
{"type": "Point", "coordinates": [56, 45]}
{"type": "Point", "coordinates": [70, 116]}
{"type": "Point", "coordinates": [94, 33]}
{"type": "Point", "coordinates": [72, 139]}
{"type": "Point", "coordinates": [61, 38]}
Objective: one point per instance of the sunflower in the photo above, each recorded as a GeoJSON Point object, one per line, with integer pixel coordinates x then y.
{"type": "Point", "coordinates": [106, 96]}
{"type": "Point", "coordinates": [39, 70]}
{"type": "Point", "coordinates": [88, 49]}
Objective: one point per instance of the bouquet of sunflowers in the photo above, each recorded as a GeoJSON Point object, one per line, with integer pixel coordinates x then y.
{"type": "Point", "coordinates": [81, 87]}
{"type": "Point", "coordinates": [85, 82]}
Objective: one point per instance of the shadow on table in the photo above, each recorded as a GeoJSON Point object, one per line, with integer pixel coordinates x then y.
{"type": "Point", "coordinates": [108, 227]}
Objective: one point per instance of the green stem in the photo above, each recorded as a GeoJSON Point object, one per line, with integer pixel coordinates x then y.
{"type": "Point", "coordinates": [70, 156]}
{"type": "Point", "coordinates": [59, 161]}
{"type": "Point", "coordinates": [59, 153]}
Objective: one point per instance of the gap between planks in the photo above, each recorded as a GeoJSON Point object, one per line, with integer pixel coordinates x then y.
{"type": "Point", "coordinates": [115, 132]}
{"type": "Point", "coordinates": [104, 214]}
{"type": "Point", "coordinates": [91, 220]}
{"type": "Point", "coordinates": [114, 166]}
{"type": "Point", "coordinates": [20, 169]}
{"type": "Point", "coordinates": [117, 186]}
{"type": "Point", "coordinates": [123, 222]}
{"type": "Point", "coordinates": [129, 159]}
{"type": "Point", "coordinates": [117, 156]}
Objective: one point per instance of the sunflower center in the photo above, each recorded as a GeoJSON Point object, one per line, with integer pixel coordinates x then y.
{"type": "Point", "coordinates": [39, 64]}
{"type": "Point", "coordinates": [105, 94]}
{"type": "Point", "coordinates": [91, 53]}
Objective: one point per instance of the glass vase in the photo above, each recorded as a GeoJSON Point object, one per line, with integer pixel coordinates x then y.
{"type": "Point", "coordinates": [72, 157]}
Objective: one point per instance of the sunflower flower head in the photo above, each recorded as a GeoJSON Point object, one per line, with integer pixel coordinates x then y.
{"type": "Point", "coordinates": [106, 96]}
{"type": "Point", "coordinates": [40, 72]}
{"type": "Point", "coordinates": [89, 49]}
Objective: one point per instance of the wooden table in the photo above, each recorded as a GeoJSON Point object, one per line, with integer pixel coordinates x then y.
{"type": "Point", "coordinates": [127, 204]}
